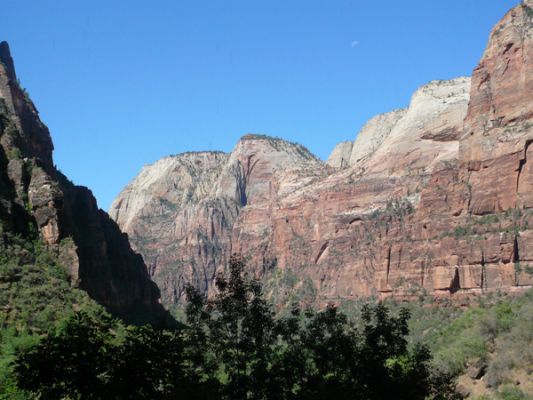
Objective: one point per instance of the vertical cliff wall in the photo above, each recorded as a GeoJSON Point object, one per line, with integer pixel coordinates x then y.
{"type": "Point", "coordinates": [35, 196]}
{"type": "Point", "coordinates": [436, 198]}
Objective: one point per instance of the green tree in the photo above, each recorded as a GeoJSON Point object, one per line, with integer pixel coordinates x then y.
{"type": "Point", "coordinates": [240, 330]}
{"type": "Point", "coordinates": [233, 347]}
{"type": "Point", "coordinates": [72, 363]}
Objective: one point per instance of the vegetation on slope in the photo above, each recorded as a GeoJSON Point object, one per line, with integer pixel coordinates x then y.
{"type": "Point", "coordinates": [55, 342]}
{"type": "Point", "coordinates": [35, 295]}
{"type": "Point", "coordinates": [234, 348]}
{"type": "Point", "coordinates": [491, 341]}
{"type": "Point", "coordinates": [495, 337]}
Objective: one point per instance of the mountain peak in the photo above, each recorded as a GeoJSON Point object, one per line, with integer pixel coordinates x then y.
{"type": "Point", "coordinates": [7, 60]}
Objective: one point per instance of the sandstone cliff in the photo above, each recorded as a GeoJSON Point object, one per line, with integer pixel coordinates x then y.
{"type": "Point", "coordinates": [180, 212]}
{"type": "Point", "coordinates": [340, 156]}
{"type": "Point", "coordinates": [35, 196]}
{"type": "Point", "coordinates": [434, 199]}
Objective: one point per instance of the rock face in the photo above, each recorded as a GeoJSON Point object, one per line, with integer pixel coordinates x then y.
{"type": "Point", "coordinates": [36, 196]}
{"type": "Point", "coordinates": [498, 128]}
{"type": "Point", "coordinates": [405, 141]}
{"type": "Point", "coordinates": [370, 138]}
{"type": "Point", "coordinates": [434, 199]}
{"type": "Point", "coordinates": [180, 212]}
{"type": "Point", "coordinates": [340, 156]}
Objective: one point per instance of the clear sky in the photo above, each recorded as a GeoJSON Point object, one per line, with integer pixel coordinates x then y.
{"type": "Point", "coordinates": [121, 84]}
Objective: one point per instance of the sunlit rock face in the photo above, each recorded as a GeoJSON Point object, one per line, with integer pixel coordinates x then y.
{"type": "Point", "coordinates": [35, 195]}
{"type": "Point", "coordinates": [498, 128]}
{"type": "Point", "coordinates": [433, 199]}
{"type": "Point", "coordinates": [340, 156]}
{"type": "Point", "coordinates": [419, 137]}
{"type": "Point", "coordinates": [180, 212]}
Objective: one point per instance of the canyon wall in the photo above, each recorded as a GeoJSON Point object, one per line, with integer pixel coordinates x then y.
{"type": "Point", "coordinates": [37, 199]}
{"type": "Point", "coordinates": [433, 199]}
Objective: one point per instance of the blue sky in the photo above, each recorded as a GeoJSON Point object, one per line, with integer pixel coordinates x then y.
{"type": "Point", "coordinates": [121, 84]}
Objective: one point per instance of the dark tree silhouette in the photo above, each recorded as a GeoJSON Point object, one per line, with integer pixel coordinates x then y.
{"type": "Point", "coordinates": [233, 347]}
{"type": "Point", "coordinates": [69, 364]}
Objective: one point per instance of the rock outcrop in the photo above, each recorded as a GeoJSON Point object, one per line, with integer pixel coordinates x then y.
{"type": "Point", "coordinates": [36, 198]}
{"type": "Point", "coordinates": [404, 141]}
{"type": "Point", "coordinates": [340, 156]}
{"type": "Point", "coordinates": [180, 212]}
{"type": "Point", "coordinates": [370, 138]}
{"type": "Point", "coordinates": [498, 128]}
{"type": "Point", "coordinates": [436, 198]}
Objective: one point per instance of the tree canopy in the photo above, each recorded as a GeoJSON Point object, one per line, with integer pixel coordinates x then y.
{"type": "Point", "coordinates": [234, 347]}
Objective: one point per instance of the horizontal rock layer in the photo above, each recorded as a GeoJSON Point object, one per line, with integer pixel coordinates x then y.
{"type": "Point", "coordinates": [436, 198]}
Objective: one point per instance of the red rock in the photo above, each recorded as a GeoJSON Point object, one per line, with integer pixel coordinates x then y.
{"type": "Point", "coordinates": [95, 253]}
{"type": "Point", "coordinates": [426, 204]}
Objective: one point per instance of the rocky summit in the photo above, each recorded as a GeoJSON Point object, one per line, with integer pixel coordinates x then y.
{"type": "Point", "coordinates": [433, 199]}
{"type": "Point", "coordinates": [35, 196]}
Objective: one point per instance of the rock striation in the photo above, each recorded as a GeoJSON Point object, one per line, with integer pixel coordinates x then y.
{"type": "Point", "coordinates": [36, 197]}
{"type": "Point", "coordinates": [180, 211]}
{"type": "Point", "coordinates": [340, 156]}
{"type": "Point", "coordinates": [419, 137]}
{"type": "Point", "coordinates": [375, 131]}
{"type": "Point", "coordinates": [433, 199]}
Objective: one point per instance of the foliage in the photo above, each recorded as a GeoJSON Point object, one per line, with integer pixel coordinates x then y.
{"type": "Point", "coordinates": [86, 359]}
{"type": "Point", "coordinates": [56, 343]}
{"type": "Point", "coordinates": [234, 348]}
{"type": "Point", "coordinates": [284, 287]}
{"type": "Point", "coordinates": [498, 331]}
{"type": "Point", "coordinates": [35, 295]}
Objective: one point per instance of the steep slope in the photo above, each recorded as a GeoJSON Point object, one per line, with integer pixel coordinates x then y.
{"type": "Point", "coordinates": [169, 207]}
{"type": "Point", "coordinates": [340, 156]}
{"type": "Point", "coordinates": [180, 212]}
{"type": "Point", "coordinates": [281, 206]}
{"type": "Point", "coordinates": [499, 125]}
{"type": "Point", "coordinates": [36, 197]}
{"type": "Point", "coordinates": [417, 137]}
{"type": "Point", "coordinates": [375, 131]}
{"type": "Point", "coordinates": [436, 198]}
{"type": "Point", "coordinates": [425, 134]}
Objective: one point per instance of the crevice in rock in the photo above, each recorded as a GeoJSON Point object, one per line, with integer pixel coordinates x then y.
{"type": "Point", "coordinates": [399, 258]}
{"type": "Point", "coordinates": [243, 183]}
{"type": "Point", "coordinates": [506, 67]}
{"type": "Point", "coordinates": [250, 166]}
{"type": "Point", "coordinates": [321, 251]}
{"type": "Point", "coordinates": [426, 265]}
{"type": "Point", "coordinates": [455, 285]}
{"type": "Point", "coordinates": [483, 273]}
{"type": "Point", "coordinates": [508, 47]}
{"type": "Point", "coordinates": [522, 162]}
{"type": "Point", "coordinates": [388, 264]}
{"type": "Point", "coordinates": [516, 255]}
{"type": "Point", "coordinates": [241, 187]}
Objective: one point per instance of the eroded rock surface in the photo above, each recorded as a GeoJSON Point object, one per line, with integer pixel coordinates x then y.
{"type": "Point", "coordinates": [426, 133]}
{"type": "Point", "coordinates": [34, 195]}
{"type": "Point", "coordinates": [340, 156]}
{"type": "Point", "coordinates": [180, 212]}
{"type": "Point", "coordinates": [436, 198]}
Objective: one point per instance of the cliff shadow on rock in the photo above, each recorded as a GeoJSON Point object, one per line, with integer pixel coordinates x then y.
{"type": "Point", "coordinates": [35, 196]}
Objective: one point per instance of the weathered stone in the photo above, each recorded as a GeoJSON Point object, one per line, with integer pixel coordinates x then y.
{"type": "Point", "coordinates": [34, 194]}
{"type": "Point", "coordinates": [370, 138]}
{"type": "Point", "coordinates": [340, 156]}
{"type": "Point", "coordinates": [181, 213]}
{"type": "Point", "coordinates": [470, 276]}
{"type": "Point", "coordinates": [436, 197]}
{"type": "Point", "coordinates": [476, 370]}
{"type": "Point", "coordinates": [463, 391]}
